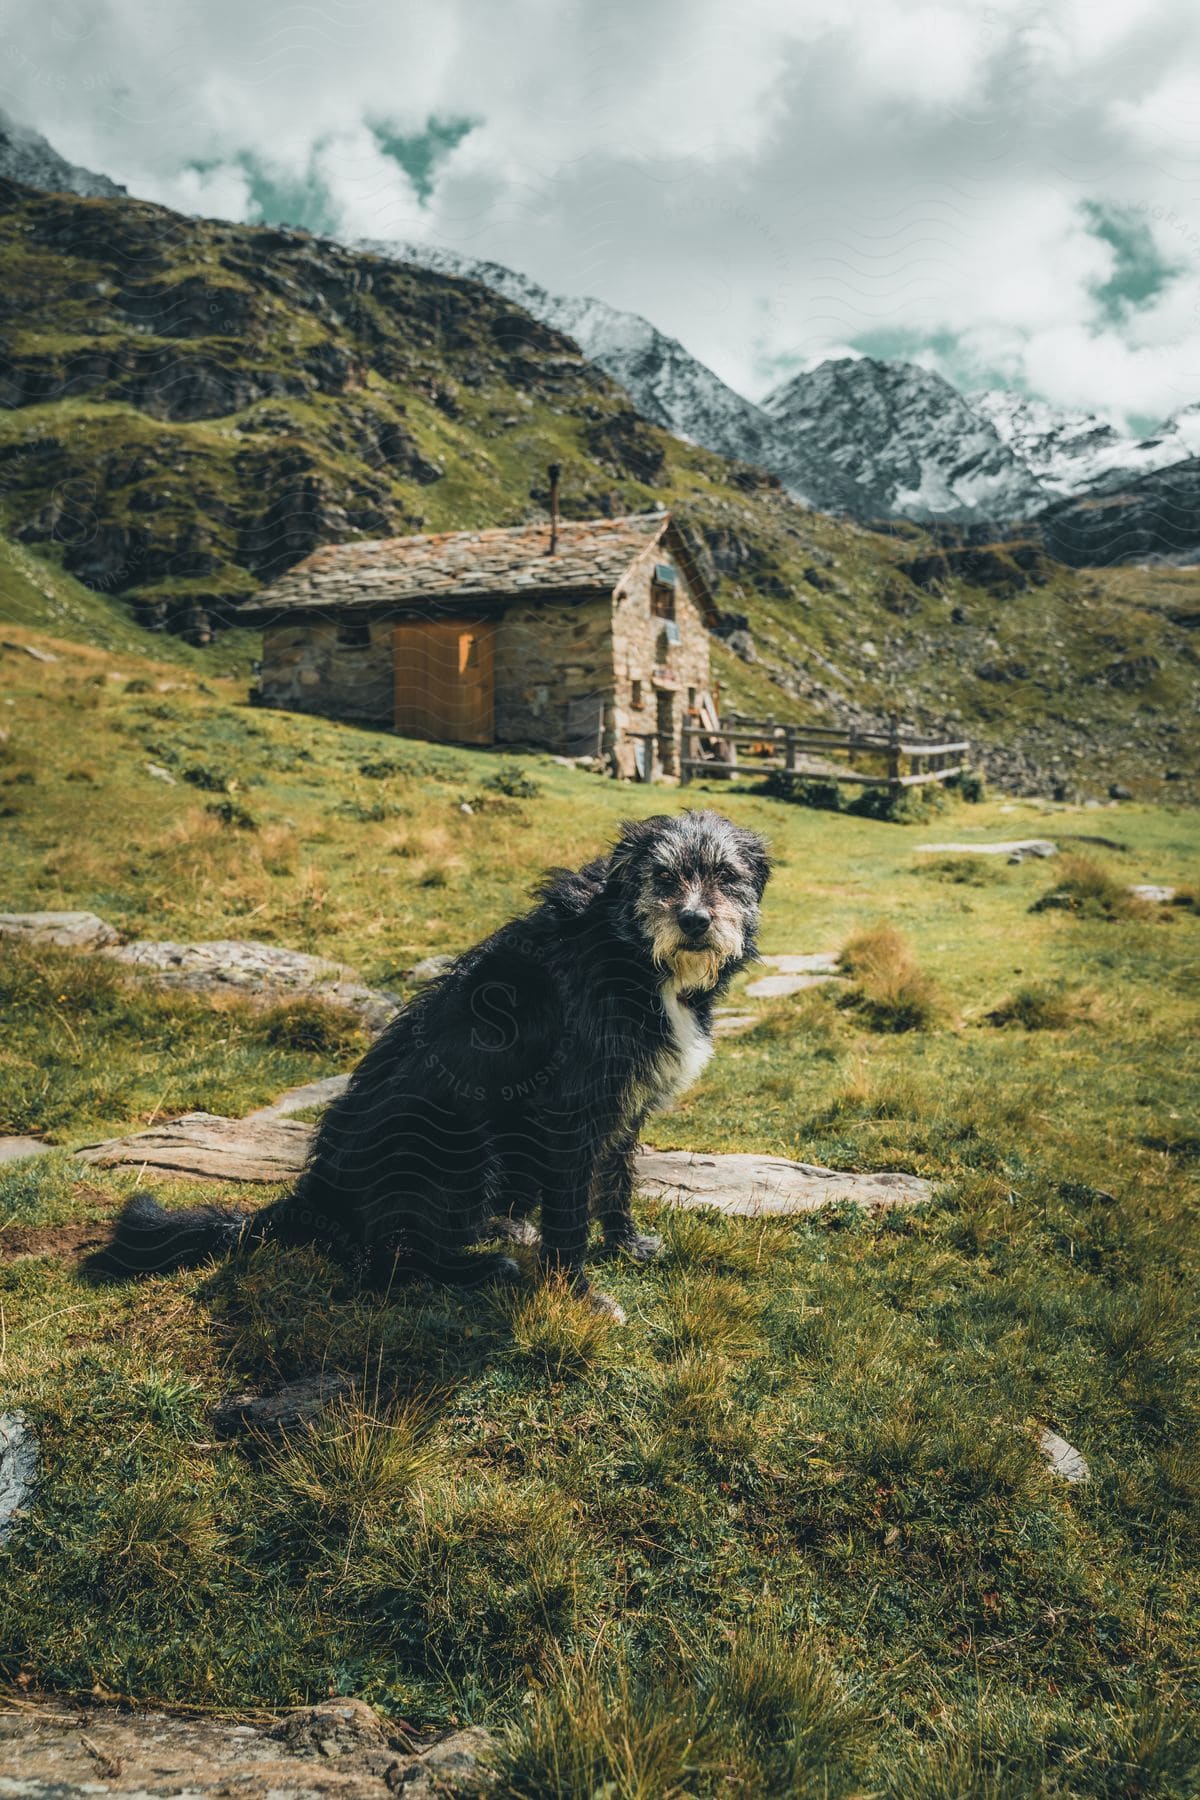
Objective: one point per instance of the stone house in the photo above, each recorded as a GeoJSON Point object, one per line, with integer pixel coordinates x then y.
{"type": "Point", "coordinates": [586, 637]}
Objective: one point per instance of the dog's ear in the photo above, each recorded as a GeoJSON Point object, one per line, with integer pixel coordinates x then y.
{"type": "Point", "coordinates": [626, 852]}
{"type": "Point", "coordinates": [757, 857]}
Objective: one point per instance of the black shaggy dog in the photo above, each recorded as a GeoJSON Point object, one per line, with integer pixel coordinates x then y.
{"type": "Point", "coordinates": [520, 1079]}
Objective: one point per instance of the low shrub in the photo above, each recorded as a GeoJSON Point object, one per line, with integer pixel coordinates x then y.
{"type": "Point", "coordinates": [965, 871]}
{"type": "Point", "coordinates": [512, 781]}
{"type": "Point", "coordinates": [1089, 890]}
{"type": "Point", "coordinates": [1046, 1009]}
{"type": "Point", "coordinates": [230, 813]}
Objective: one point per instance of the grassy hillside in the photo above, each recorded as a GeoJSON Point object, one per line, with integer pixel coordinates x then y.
{"type": "Point", "coordinates": [788, 1531]}
{"type": "Point", "coordinates": [189, 407]}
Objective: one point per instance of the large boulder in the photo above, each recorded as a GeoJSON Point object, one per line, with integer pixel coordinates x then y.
{"type": "Point", "coordinates": [78, 930]}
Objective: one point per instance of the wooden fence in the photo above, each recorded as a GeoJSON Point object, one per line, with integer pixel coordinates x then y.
{"type": "Point", "coordinates": [807, 751]}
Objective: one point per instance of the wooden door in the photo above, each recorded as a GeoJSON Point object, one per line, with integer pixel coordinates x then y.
{"type": "Point", "coordinates": [445, 680]}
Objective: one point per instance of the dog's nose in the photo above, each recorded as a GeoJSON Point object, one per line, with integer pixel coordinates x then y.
{"type": "Point", "coordinates": [694, 920]}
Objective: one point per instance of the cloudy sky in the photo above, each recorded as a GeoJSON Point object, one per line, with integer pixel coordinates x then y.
{"type": "Point", "coordinates": [1008, 192]}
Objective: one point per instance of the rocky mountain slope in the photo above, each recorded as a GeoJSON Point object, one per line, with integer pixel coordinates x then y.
{"type": "Point", "coordinates": [902, 440]}
{"type": "Point", "coordinates": [27, 157]}
{"type": "Point", "coordinates": [667, 383]}
{"type": "Point", "coordinates": [189, 407]}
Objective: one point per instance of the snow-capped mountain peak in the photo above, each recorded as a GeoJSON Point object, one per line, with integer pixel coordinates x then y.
{"type": "Point", "coordinates": [1071, 452]}
{"type": "Point", "coordinates": [905, 441]}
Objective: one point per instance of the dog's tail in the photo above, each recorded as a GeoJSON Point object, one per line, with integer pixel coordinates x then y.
{"type": "Point", "coordinates": [149, 1240]}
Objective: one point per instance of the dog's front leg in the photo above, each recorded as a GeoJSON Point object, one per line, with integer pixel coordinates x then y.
{"type": "Point", "coordinates": [612, 1201]}
{"type": "Point", "coordinates": [565, 1211]}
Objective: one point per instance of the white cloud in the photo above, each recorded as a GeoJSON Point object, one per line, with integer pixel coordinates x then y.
{"type": "Point", "coordinates": [769, 182]}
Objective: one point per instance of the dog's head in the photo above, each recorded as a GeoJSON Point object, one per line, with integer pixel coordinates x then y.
{"type": "Point", "coordinates": [690, 886]}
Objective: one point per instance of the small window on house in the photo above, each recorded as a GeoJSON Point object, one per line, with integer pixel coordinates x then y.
{"type": "Point", "coordinates": [662, 600]}
{"type": "Point", "coordinates": [354, 637]}
{"type": "Point", "coordinates": [637, 699]}
{"type": "Point", "coordinates": [691, 699]}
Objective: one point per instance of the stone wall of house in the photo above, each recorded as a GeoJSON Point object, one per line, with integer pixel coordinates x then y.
{"type": "Point", "coordinates": [649, 671]}
{"type": "Point", "coordinates": [548, 656]}
{"type": "Point", "coordinates": [558, 666]}
{"type": "Point", "coordinates": [306, 669]}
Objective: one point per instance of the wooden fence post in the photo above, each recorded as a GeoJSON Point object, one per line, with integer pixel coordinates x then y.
{"type": "Point", "coordinates": [789, 749]}
{"type": "Point", "coordinates": [893, 755]}
{"type": "Point", "coordinates": [687, 740]}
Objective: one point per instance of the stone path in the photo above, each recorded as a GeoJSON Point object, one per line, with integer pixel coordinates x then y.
{"type": "Point", "coordinates": [204, 1146]}
{"type": "Point", "coordinates": [793, 974]}
{"type": "Point", "coordinates": [299, 1099]}
{"type": "Point", "coordinates": [338, 1750]}
{"type": "Point", "coordinates": [752, 1187]}
{"type": "Point", "coordinates": [16, 1149]}
{"type": "Point", "coordinates": [1016, 851]}
{"type": "Point", "coordinates": [270, 1149]}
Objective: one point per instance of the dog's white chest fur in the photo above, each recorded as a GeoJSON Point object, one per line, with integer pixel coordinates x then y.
{"type": "Point", "coordinates": [687, 1050]}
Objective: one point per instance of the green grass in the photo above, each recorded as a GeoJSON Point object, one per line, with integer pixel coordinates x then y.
{"type": "Point", "coordinates": [785, 1532]}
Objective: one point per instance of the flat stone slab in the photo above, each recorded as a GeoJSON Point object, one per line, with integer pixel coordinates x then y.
{"type": "Point", "coordinates": [1017, 850]}
{"type": "Point", "coordinates": [752, 1187]}
{"type": "Point", "coordinates": [731, 1023]}
{"type": "Point", "coordinates": [16, 1149]}
{"type": "Point", "coordinates": [272, 1415]}
{"type": "Point", "coordinates": [779, 987]}
{"type": "Point", "coordinates": [821, 962]}
{"type": "Point", "coordinates": [337, 1750]}
{"type": "Point", "coordinates": [274, 1149]}
{"type": "Point", "coordinates": [299, 1099]}
{"type": "Point", "coordinates": [202, 1145]}
{"type": "Point", "coordinates": [18, 1468]}
{"type": "Point", "coordinates": [245, 966]}
{"type": "Point", "coordinates": [77, 930]}
{"type": "Point", "coordinates": [1062, 1458]}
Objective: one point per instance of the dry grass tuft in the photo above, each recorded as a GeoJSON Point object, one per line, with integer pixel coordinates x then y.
{"type": "Point", "coordinates": [350, 1464]}
{"type": "Point", "coordinates": [890, 993]}
{"type": "Point", "coordinates": [552, 1328]}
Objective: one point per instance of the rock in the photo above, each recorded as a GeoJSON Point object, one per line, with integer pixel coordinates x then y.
{"type": "Point", "coordinates": [18, 1467]}
{"type": "Point", "coordinates": [299, 1099]}
{"type": "Point", "coordinates": [161, 774]}
{"type": "Point", "coordinates": [456, 1764]}
{"type": "Point", "coordinates": [42, 656]}
{"type": "Point", "coordinates": [1118, 791]}
{"type": "Point", "coordinates": [78, 930]}
{"type": "Point", "coordinates": [339, 1748]}
{"type": "Point", "coordinates": [1016, 851]}
{"type": "Point", "coordinates": [16, 1149]}
{"type": "Point", "coordinates": [270, 1415]}
{"type": "Point", "coordinates": [1062, 1457]}
{"type": "Point", "coordinates": [750, 1186]}
{"type": "Point", "coordinates": [779, 987]}
{"type": "Point", "coordinates": [201, 1144]}
{"type": "Point", "coordinates": [430, 968]}
{"type": "Point", "coordinates": [257, 969]}
{"type": "Point", "coordinates": [1158, 896]}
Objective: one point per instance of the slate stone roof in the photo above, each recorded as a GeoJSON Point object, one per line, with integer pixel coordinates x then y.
{"type": "Point", "coordinates": [503, 563]}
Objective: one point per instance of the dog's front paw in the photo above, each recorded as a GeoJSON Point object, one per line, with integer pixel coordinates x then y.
{"type": "Point", "coordinates": [642, 1247]}
{"type": "Point", "coordinates": [604, 1304]}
